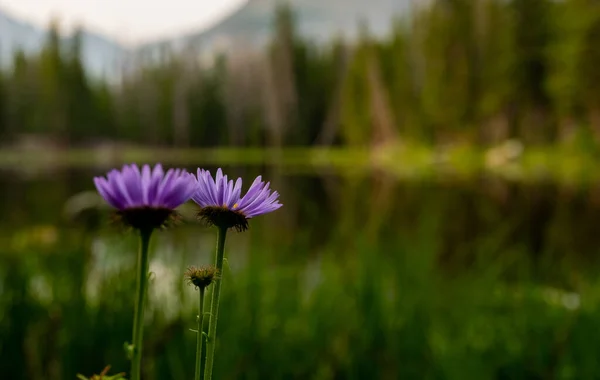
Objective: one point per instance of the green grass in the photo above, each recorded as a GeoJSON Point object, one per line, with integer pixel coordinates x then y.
{"type": "Point", "coordinates": [387, 311]}
{"type": "Point", "coordinates": [225, 156]}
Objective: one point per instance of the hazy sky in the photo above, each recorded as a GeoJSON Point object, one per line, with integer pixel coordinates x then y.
{"type": "Point", "coordinates": [129, 21]}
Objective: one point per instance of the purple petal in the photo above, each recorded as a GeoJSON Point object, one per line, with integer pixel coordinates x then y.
{"type": "Point", "coordinates": [210, 187]}
{"type": "Point", "coordinates": [133, 184]}
{"type": "Point", "coordinates": [258, 198]}
{"type": "Point", "coordinates": [171, 189]}
{"type": "Point", "coordinates": [146, 181]}
{"type": "Point", "coordinates": [107, 193]}
{"type": "Point", "coordinates": [132, 187]}
{"type": "Point", "coordinates": [155, 180]}
{"type": "Point", "coordinates": [218, 186]}
{"type": "Point", "coordinates": [264, 202]}
{"type": "Point", "coordinates": [234, 195]}
{"type": "Point", "coordinates": [203, 193]}
{"type": "Point", "coordinates": [221, 192]}
{"type": "Point", "coordinates": [268, 205]}
{"type": "Point", "coordinates": [182, 189]}
{"type": "Point", "coordinates": [252, 192]}
{"type": "Point", "coordinates": [264, 209]}
{"type": "Point", "coordinates": [227, 193]}
{"type": "Point", "coordinates": [166, 182]}
{"type": "Point", "coordinates": [116, 178]}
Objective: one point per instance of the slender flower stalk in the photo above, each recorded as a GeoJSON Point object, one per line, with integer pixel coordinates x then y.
{"type": "Point", "coordinates": [201, 278]}
{"type": "Point", "coordinates": [214, 306]}
{"type": "Point", "coordinates": [222, 206]}
{"type": "Point", "coordinates": [144, 200]}
{"type": "Point", "coordinates": [141, 291]}
{"type": "Point", "coordinates": [200, 336]}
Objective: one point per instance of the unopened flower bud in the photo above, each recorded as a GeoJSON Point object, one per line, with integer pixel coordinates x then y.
{"type": "Point", "coordinates": [201, 277]}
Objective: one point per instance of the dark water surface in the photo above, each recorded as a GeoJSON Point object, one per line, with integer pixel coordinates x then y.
{"type": "Point", "coordinates": [358, 276]}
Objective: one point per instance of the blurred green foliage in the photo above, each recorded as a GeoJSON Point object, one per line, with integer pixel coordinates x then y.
{"type": "Point", "coordinates": [452, 71]}
{"type": "Point", "coordinates": [360, 277]}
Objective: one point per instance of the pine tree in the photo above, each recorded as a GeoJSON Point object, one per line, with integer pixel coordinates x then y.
{"type": "Point", "coordinates": [52, 96]}
{"type": "Point", "coordinates": [21, 102]}
{"type": "Point", "coordinates": [587, 68]}
{"type": "Point", "coordinates": [497, 62]}
{"type": "Point", "coordinates": [446, 32]}
{"type": "Point", "coordinates": [398, 71]}
{"type": "Point", "coordinates": [355, 107]}
{"type": "Point", "coordinates": [567, 60]}
{"type": "Point", "coordinates": [82, 118]}
{"type": "Point", "coordinates": [533, 35]}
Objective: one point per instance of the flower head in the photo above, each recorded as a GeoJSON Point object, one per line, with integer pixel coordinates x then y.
{"type": "Point", "coordinates": [222, 203]}
{"type": "Point", "coordinates": [146, 199]}
{"type": "Point", "coordinates": [201, 277]}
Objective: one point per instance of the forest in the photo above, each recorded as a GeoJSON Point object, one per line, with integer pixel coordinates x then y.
{"type": "Point", "coordinates": [456, 71]}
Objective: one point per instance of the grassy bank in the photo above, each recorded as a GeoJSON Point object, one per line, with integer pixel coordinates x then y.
{"type": "Point", "coordinates": [511, 160]}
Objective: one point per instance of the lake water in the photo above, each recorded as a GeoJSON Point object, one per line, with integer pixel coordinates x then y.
{"type": "Point", "coordinates": [360, 275]}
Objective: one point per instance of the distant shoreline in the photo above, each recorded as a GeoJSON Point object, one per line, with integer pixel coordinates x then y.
{"type": "Point", "coordinates": [508, 160]}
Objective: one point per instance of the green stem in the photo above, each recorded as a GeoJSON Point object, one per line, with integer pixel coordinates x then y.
{"type": "Point", "coordinates": [214, 306]}
{"type": "Point", "coordinates": [141, 289]}
{"type": "Point", "coordinates": [200, 334]}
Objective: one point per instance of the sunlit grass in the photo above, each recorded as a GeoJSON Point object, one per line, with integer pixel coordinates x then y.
{"type": "Point", "coordinates": [409, 160]}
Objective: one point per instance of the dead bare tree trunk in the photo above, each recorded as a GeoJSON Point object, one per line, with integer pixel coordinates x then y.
{"type": "Point", "coordinates": [281, 86]}
{"type": "Point", "coordinates": [384, 125]}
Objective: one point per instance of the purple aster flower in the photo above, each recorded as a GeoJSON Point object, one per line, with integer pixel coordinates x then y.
{"type": "Point", "coordinates": [222, 203]}
{"type": "Point", "coordinates": [146, 199]}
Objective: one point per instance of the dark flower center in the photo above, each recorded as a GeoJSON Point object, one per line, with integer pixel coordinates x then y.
{"type": "Point", "coordinates": [224, 217]}
{"type": "Point", "coordinates": [146, 218]}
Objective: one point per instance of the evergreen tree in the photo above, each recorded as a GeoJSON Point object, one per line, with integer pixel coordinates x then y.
{"type": "Point", "coordinates": [21, 99]}
{"type": "Point", "coordinates": [588, 65]}
{"type": "Point", "coordinates": [497, 63]}
{"type": "Point", "coordinates": [52, 96]}
{"type": "Point", "coordinates": [567, 60]}
{"type": "Point", "coordinates": [208, 117]}
{"type": "Point", "coordinates": [82, 119]}
{"type": "Point", "coordinates": [533, 36]}
{"type": "Point", "coordinates": [355, 107]}
{"type": "Point", "coordinates": [398, 71]}
{"type": "Point", "coordinates": [449, 65]}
